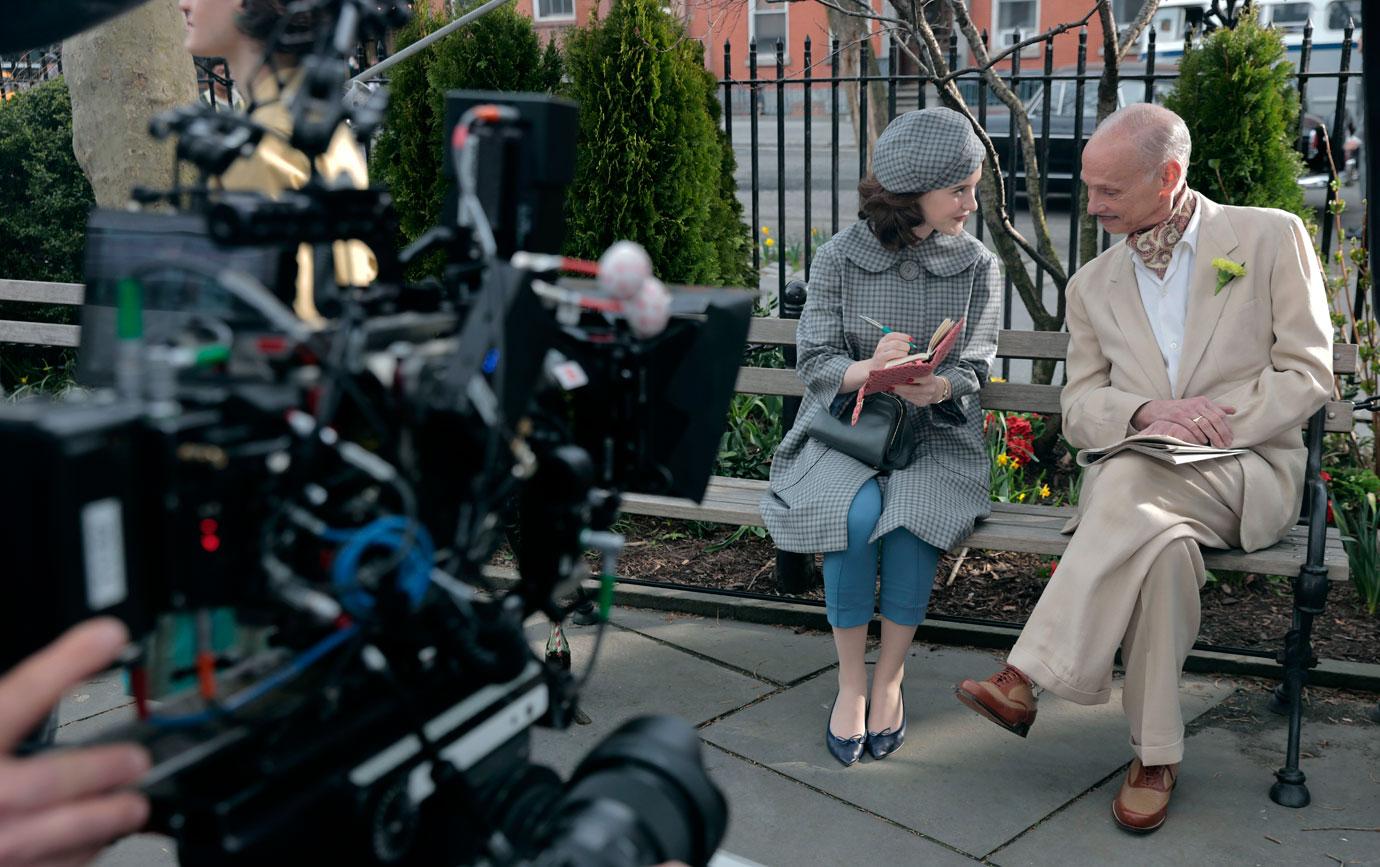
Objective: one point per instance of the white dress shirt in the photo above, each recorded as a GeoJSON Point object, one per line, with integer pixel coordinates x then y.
{"type": "Point", "coordinates": [1166, 300]}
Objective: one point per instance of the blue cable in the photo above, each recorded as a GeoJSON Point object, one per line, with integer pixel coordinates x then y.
{"type": "Point", "coordinates": [253, 693]}
{"type": "Point", "coordinates": [414, 572]}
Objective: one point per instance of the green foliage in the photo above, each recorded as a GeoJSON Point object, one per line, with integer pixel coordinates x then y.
{"type": "Point", "coordinates": [42, 222]}
{"type": "Point", "coordinates": [499, 51]}
{"type": "Point", "coordinates": [46, 197]}
{"type": "Point", "coordinates": [1235, 92]}
{"type": "Point", "coordinates": [1352, 507]}
{"type": "Point", "coordinates": [754, 425]}
{"type": "Point", "coordinates": [1359, 528]}
{"type": "Point", "coordinates": [653, 165]}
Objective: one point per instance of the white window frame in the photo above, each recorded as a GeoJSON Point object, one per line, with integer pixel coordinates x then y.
{"type": "Point", "coordinates": [767, 53]}
{"type": "Point", "coordinates": [537, 16]}
{"type": "Point", "coordinates": [1000, 42]}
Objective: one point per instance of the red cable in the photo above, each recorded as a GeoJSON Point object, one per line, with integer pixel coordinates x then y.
{"type": "Point", "coordinates": [206, 674]}
{"type": "Point", "coordinates": [139, 685]}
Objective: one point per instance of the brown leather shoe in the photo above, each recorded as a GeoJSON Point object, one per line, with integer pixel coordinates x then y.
{"type": "Point", "coordinates": [1006, 698]}
{"type": "Point", "coordinates": [1143, 802]}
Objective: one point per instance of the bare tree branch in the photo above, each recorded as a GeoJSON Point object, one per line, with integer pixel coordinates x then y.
{"type": "Point", "coordinates": [1034, 40]}
{"type": "Point", "coordinates": [1045, 256]}
{"type": "Point", "coordinates": [1131, 35]}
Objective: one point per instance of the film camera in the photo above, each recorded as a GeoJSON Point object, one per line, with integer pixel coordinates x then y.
{"type": "Point", "coordinates": [341, 489]}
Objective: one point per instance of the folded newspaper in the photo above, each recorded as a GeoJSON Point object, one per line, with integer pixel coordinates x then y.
{"type": "Point", "coordinates": [1161, 448]}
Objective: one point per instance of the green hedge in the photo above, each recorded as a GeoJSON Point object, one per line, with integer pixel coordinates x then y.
{"type": "Point", "coordinates": [653, 165]}
{"type": "Point", "coordinates": [499, 51]}
{"type": "Point", "coordinates": [1235, 91]}
{"type": "Point", "coordinates": [44, 201]}
{"type": "Point", "coordinates": [46, 197]}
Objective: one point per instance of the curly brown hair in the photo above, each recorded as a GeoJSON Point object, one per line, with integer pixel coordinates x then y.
{"type": "Point", "coordinates": [892, 217]}
{"type": "Point", "coordinates": [261, 20]}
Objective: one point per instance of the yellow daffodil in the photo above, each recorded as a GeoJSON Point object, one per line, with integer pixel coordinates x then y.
{"type": "Point", "coordinates": [1003, 460]}
{"type": "Point", "coordinates": [766, 231]}
{"type": "Point", "coordinates": [1044, 490]}
{"type": "Point", "coordinates": [1020, 498]}
{"type": "Point", "coordinates": [1015, 463]}
{"type": "Point", "coordinates": [770, 242]}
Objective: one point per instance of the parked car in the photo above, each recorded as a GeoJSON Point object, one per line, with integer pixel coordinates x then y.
{"type": "Point", "coordinates": [1063, 149]}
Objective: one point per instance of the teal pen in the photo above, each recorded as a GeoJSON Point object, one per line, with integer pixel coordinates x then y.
{"type": "Point", "coordinates": [885, 330]}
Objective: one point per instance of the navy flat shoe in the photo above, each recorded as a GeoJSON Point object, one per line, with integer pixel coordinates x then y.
{"type": "Point", "coordinates": [846, 750]}
{"type": "Point", "coordinates": [883, 743]}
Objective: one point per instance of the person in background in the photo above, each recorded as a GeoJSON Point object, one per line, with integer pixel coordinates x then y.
{"type": "Point", "coordinates": [240, 31]}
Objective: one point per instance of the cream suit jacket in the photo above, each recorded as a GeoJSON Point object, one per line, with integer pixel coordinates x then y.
{"type": "Point", "coordinates": [1262, 345]}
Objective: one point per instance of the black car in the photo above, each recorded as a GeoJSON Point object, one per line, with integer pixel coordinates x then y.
{"type": "Point", "coordinates": [1063, 149]}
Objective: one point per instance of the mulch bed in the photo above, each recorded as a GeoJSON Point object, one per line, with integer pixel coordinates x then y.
{"type": "Point", "coordinates": [1240, 610]}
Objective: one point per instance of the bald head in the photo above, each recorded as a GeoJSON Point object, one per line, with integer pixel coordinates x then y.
{"type": "Point", "coordinates": [1134, 165]}
{"type": "Point", "coordinates": [1156, 133]}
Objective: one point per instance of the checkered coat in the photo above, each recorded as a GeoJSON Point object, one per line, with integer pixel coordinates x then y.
{"type": "Point", "coordinates": [946, 489]}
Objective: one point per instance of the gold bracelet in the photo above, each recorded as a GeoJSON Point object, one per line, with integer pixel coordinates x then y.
{"type": "Point", "coordinates": [948, 389]}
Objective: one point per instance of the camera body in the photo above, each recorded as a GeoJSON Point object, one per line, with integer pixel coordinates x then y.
{"type": "Point", "coordinates": [341, 491]}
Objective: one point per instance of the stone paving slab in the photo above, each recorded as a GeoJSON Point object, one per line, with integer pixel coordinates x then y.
{"type": "Point", "coordinates": [953, 781]}
{"type": "Point", "coordinates": [1222, 814]}
{"type": "Point", "coordinates": [636, 676]}
{"type": "Point", "coordinates": [774, 820]}
{"type": "Point", "coordinates": [776, 653]}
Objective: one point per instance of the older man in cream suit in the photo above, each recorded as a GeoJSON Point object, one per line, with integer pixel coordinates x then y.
{"type": "Point", "coordinates": [1160, 344]}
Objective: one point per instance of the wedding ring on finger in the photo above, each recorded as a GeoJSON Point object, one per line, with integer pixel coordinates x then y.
{"type": "Point", "coordinates": [1196, 419]}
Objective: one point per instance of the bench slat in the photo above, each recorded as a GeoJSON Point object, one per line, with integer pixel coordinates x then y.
{"type": "Point", "coordinates": [770, 330]}
{"type": "Point", "coordinates": [1000, 396]}
{"type": "Point", "coordinates": [1010, 344]}
{"type": "Point", "coordinates": [1031, 529]}
{"type": "Point", "coordinates": [41, 293]}
{"type": "Point", "coordinates": [39, 333]}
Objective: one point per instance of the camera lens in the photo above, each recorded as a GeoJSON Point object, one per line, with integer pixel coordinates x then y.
{"type": "Point", "coordinates": [641, 797]}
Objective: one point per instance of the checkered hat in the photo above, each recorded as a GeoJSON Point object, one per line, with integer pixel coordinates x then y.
{"type": "Point", "coordinates": [926, 150]}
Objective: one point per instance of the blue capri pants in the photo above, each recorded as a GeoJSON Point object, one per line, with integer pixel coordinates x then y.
{"type": "Point", "coordinates": [850, 575]}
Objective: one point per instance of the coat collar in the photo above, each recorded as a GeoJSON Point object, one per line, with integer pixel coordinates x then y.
{"type": "Point", "coordinates": [1216, 237]}
{"type": "Point", "coordinates": [941, 255]}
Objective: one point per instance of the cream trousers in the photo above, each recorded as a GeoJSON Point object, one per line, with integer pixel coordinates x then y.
{"type": "Point", "coordinates": [1130, 579]}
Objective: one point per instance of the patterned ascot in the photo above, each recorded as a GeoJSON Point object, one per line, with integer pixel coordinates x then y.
{"type": "Point", "coordinates": [1155, 245]}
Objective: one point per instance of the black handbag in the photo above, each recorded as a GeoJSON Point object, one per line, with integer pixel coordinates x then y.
{"type": "Point", "coordinates": [882, 438]}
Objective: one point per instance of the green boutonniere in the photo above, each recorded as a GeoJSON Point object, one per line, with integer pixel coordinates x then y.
{"type": "Point", "coordinates": [1227, 271]}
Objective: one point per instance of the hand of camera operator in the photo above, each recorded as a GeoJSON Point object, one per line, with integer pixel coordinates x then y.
{"type": "Point", "coordinates": [62, 807]}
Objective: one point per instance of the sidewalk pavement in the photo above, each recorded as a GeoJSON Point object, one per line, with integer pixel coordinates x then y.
{"type": "Point", "coordinates": [961, 790]}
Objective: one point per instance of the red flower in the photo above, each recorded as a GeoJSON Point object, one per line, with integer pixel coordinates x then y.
{"type": "Point", "coordinates": [1020, 438]}
{"type": "Point", "coordinates": [1327, 477]}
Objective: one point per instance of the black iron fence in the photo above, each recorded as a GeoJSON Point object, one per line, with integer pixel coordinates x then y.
{"type": "Point", "coordinates": [1062, 105]}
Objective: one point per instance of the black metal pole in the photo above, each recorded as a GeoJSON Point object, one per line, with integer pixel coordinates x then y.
{"type": "Point", "coordinates": [834, 137]}
{"type": "Point", "coordinates": [1370, 89]}
{"type": "Point", "coordinates": [1075, 182]}
{"type": "Point", "coordinates": [808, 108]}
{"type": "Point", "coordinates": [752, 136]}
{"type": "Point", "coordinates": [1337, 138]}
{"type": "Point", "coordinates": [780, 173]}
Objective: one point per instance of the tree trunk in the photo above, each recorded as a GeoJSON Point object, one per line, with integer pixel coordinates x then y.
{"type": "Point", "coordinates": [120, 75]}
{"type": "Point", "coordinates": [851, 30]}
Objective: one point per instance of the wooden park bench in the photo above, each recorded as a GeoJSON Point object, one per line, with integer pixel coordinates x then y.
{"type": "Point", "coordinates": [1311, 553]}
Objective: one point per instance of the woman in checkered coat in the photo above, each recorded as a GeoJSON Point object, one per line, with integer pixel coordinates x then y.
{"type": "Point", "coordinates": [908, 264]}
